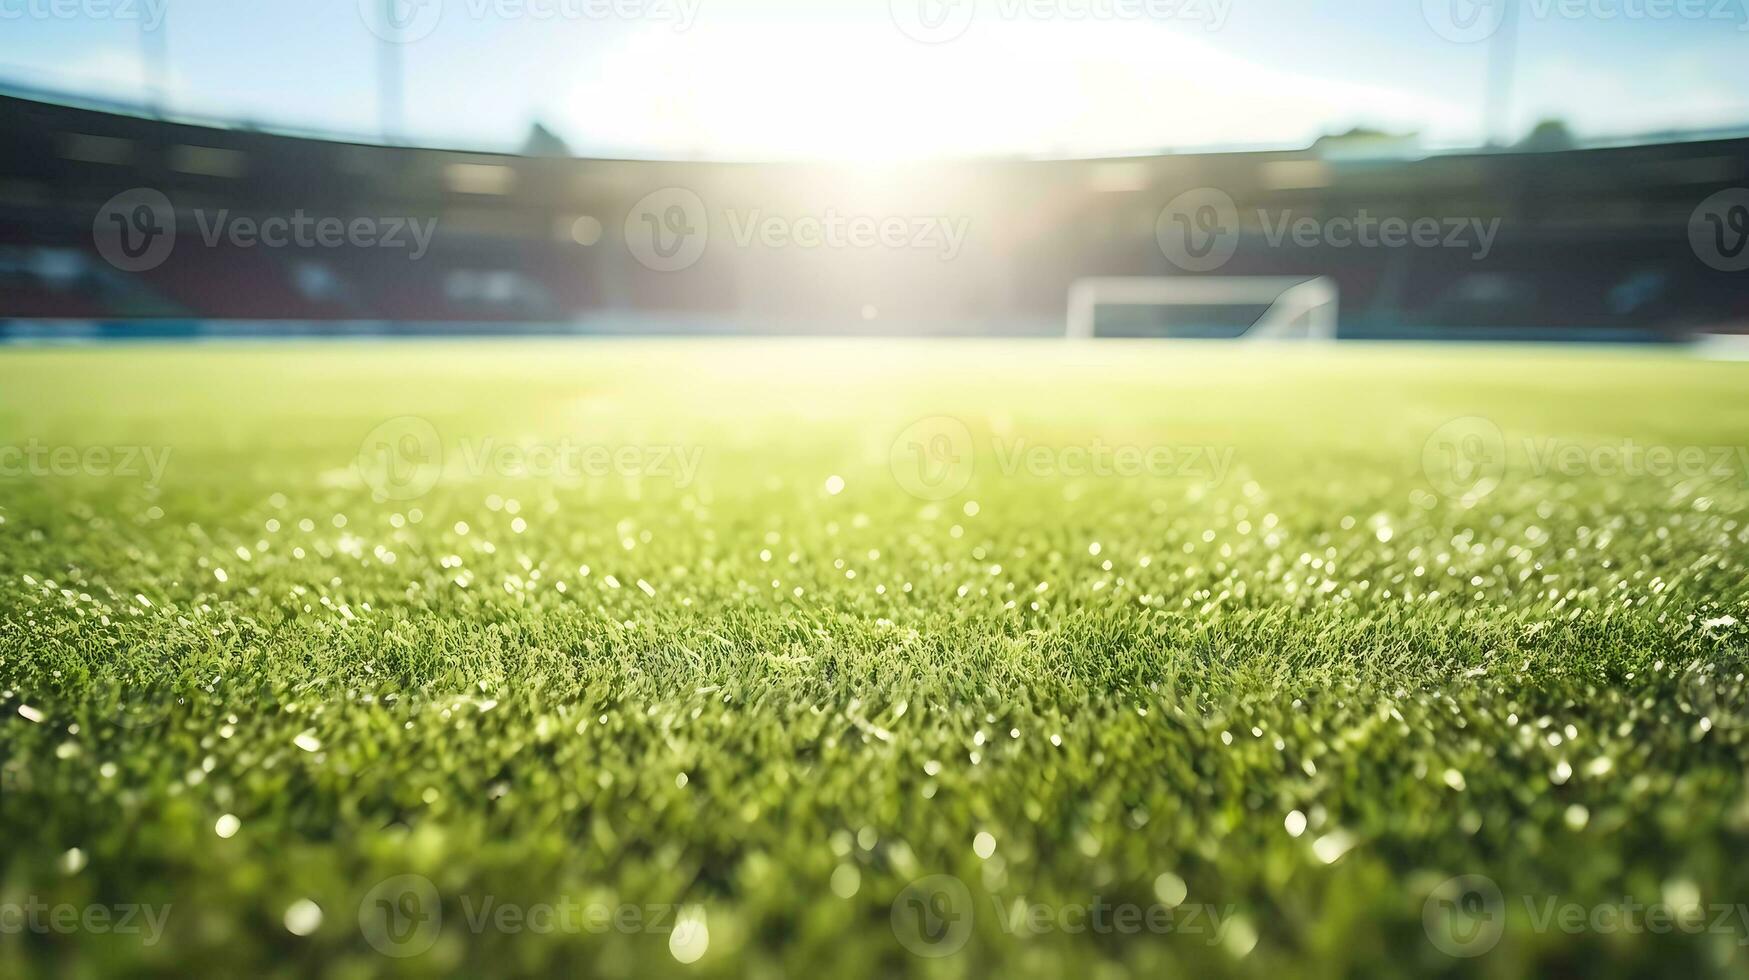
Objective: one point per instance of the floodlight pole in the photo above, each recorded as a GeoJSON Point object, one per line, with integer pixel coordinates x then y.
{"type": "Point", "coordinates": [155, 58]}
{"type": "Point", "coordinates": [389, 79]}
{"type": "Point", "coordinates": [1502, 66]}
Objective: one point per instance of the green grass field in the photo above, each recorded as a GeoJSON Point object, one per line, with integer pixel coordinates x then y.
{"type": "Point", "coordinates": [1207, 659]}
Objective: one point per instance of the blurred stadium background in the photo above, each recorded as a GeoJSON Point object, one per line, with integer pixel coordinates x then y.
{"type": "Point", "coordinates": [1593, 241]}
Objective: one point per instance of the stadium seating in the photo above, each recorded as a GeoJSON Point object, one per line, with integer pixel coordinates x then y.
{"type": "Point", "coordinates": [1592, 242]}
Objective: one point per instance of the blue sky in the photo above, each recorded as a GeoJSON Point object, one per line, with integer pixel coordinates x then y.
{"type": "Point", "coordinates": [844, 78]}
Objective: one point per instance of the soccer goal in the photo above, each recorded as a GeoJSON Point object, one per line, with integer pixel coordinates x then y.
{"type": "Point", "coordinates": [1298, 308]}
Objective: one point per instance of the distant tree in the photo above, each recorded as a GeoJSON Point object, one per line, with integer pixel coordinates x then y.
{"type": "Point", "coordinates": [1366, 142]}
{"type": "Point", "coordinates": [1548, 135]}
{"type": "Point", "coordinates": [543, 142]}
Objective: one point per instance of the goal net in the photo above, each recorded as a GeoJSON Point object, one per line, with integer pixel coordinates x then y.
{"type": "Point", "coordinates": [1295, 308]}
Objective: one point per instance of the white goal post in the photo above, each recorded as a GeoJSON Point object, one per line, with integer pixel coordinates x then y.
{"type": "Point", "coordinates": [1299, 308]}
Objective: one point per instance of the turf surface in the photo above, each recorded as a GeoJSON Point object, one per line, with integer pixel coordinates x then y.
{"type": "Point", "coordinates": [1247, 709]}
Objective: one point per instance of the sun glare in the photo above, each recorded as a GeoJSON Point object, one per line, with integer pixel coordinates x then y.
{"type": "Point", "coordinates": [855, 92]}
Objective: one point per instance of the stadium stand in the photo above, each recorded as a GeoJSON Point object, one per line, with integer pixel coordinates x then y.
{"type": "Point", "coordinates": [1592, 243]}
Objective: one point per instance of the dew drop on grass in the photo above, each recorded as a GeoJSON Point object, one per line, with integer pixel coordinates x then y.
{"type": "Point", "coordinates": [1170, 889]}
{"type": "Point", "coordinates": [1330, 847]}
{"type": "Point", "coordinates": [1240, 938]}
{"type": "Point", "coordinates": [1296, 823]}
{"type": "Point", "coordinates": [303, 917]}
{"type": "Point", "coordinates": [691, 937]}
{"type": "Point", "coordinates": [846, 881]}
{"type": "Point", "coordinates": [984, 845]}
